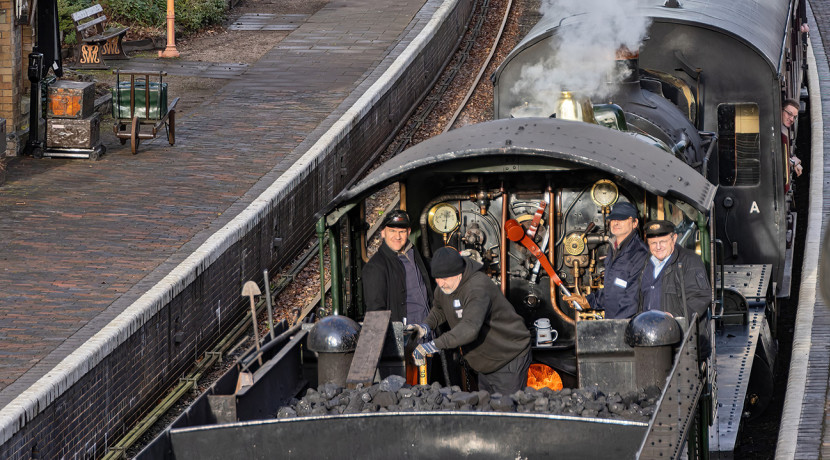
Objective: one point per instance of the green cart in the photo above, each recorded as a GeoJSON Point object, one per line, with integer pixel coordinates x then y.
{"type": "Point", "coordinates": [142, 101]}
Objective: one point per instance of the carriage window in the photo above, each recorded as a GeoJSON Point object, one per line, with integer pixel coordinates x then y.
{"type": "Point", "coordinates": [739, 144]}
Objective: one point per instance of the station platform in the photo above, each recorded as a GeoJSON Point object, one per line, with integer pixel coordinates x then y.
{"type": "Point", "coordinates": [82, 240]}
{"type": "Point", "coordinates": [805, 423]}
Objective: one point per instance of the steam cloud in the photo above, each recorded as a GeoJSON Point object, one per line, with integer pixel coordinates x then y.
{"type": "Point", "coordinates": [582, 60]}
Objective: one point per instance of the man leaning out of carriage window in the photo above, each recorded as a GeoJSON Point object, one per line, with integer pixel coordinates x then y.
{"type": "Point", "coordinates": [623, 266]}
{"type": "Point", "coordinates": [788, 117]}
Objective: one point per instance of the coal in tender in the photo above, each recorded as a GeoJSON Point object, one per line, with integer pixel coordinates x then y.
{"type": "Point", "coordinates": [393, 394]}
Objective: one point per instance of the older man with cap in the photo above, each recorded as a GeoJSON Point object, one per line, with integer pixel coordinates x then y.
{"type": "Point", "coordinates": [674, 279]}
{"type": "Point", "coordinates": [623, 265]}
{"type": "Point", "coordinates": [492, 336]}
{"type": "Point", "coordinates": [395, 278]}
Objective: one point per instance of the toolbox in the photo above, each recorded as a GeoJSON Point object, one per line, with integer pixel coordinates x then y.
{"type": "Point", "coordinates": [70, 99]}
{"type": "Point", "coordinates": [71, 133]}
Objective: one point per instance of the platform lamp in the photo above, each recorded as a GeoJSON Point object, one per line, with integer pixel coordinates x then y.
{"type": "Point", "coordinates": [170, 51]}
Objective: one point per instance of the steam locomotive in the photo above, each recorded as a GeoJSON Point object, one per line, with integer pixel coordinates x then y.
{"type": "Point", "coordinates": [682, 119]}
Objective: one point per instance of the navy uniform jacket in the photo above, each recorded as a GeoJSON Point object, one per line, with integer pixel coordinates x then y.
{"type": "Point", "coordinates": [621, 289]}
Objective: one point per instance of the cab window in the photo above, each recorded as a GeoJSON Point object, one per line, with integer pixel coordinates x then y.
{"type": "Point", "coordinates": [739, 144]}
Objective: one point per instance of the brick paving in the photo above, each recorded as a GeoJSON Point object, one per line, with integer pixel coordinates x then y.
{"type": "Point", "coordinates": [79, 239]}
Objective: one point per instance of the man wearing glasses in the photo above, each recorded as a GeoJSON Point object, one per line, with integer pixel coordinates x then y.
{"type": "Point", "coordinates": [674, 279]}
{"type": "Point", "coordinates": [788, 117]}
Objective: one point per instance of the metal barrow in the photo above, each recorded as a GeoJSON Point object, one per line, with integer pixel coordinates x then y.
{"type": "Point", "coordinates": [142, 101]}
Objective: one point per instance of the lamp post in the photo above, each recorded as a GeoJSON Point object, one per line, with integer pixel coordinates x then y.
{"type": "Point", "coordinates": [170, 51]}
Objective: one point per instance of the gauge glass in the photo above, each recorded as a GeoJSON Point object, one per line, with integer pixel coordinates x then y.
{"type": "Point", "coordinates": [604, 193]}
{"type": "Point", "coordinates": [443, 218]}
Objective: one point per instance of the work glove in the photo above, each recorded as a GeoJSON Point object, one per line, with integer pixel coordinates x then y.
{"type": "Point", "coordinates": [422, 351]}
{"type": "Point", "coordinates": [580, 299]}
{"type": "Point", "coordinates": [419, 330]}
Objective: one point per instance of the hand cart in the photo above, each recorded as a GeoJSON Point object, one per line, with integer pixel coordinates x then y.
{"type": "Point", "coordinates": [142, 101]}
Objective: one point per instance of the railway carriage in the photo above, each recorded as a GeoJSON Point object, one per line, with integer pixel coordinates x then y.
{"type": "Point", "coordinates": [691, 132]}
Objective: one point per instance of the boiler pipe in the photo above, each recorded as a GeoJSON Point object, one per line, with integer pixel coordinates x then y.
{"type": "Point", "coordinates": [503, 239]}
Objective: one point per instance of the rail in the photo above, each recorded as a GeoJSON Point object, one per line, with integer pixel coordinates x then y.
{"type": "Point", "coordinates": [481, 71]}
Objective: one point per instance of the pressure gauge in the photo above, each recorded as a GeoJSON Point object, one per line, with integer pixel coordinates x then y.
{"type": "Point", "coordinates": [443, 218]}
{"type": "Point", "coordinates": [604, 193]}
{"type": "Point", "coordinates": [574, 244]}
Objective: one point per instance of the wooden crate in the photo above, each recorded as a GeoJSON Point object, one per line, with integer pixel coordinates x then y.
{"type": "Point", "coordinates": [70, 133]}
{"type": "Point", "coordinates": [70, 99]}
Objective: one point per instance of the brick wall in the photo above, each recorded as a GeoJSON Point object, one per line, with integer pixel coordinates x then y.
{"type": "Point", "coordinates": [101, 404]}
{"type": "Point", "coordinates": [15, 45]}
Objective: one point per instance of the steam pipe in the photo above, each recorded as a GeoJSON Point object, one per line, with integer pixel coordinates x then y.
{"type": "Point", "coordinates": [713, 139]}
{"type": "Point", "coordinates": [503, 239]}
{"type": "Point", "coordinates": [334, 258]}
{"type": "Point", "coordinates": [321, 244]}
{"type": "Point", "coordinates": [364, 254]}
{"type": "Point", "coordinates": [557, 207]}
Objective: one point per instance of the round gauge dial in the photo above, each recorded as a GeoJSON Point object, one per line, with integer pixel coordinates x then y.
{"type": "Point", "coordinates": [574, 244]}
{"type": "Point", "coordinates": [605, 193]}
{"type": "Point", "coordinates": [443, 218]}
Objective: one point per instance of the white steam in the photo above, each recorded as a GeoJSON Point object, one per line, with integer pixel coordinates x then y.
{"type": "Point", "coordinates": [582, 58]}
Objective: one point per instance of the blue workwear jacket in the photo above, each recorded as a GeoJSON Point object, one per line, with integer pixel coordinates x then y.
{"type": "Point", "coordinates": [621, 289]}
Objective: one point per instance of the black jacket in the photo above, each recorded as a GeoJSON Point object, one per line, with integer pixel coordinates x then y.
{"type": "Point", "coordinates": [621, 289]}
{"type": "Point", "coordinates": [489, 331]}
{"type": "Point", "coordinates": [683, 277]}
{"type": "Point", "coordinates": [384, 282]}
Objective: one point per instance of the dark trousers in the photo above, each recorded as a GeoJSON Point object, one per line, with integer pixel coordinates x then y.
{"type": "Point", "coordinates": [511, 378]}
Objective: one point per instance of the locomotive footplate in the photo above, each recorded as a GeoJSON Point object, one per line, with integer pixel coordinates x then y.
{"type": "Point", "coordinates": [752, 281]}
{"type": "Point", "coordinates": [735, 345]}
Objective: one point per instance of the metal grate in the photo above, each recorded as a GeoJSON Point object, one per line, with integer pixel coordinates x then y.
{"type": "Point", "coordinates": [669, 427]}
{"type": "Point", "coordinates": [752, 281]}
{"type": "Point", "coordinates": [268, 21]}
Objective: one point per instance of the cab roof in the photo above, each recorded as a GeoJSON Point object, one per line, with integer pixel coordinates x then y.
{"type": "Point", "coordinates": [529, 141]}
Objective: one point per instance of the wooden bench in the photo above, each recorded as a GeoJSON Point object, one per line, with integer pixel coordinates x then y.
{"type": "Point", "coordinates": [96, 43]}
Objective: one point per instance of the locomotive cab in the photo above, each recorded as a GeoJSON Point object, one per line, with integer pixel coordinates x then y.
{"type": "Point", "coordinates": [465, 190]}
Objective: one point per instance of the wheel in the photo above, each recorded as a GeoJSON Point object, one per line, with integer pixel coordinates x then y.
{"type": "Point", "coordinates": [171, 127]}
{"type": "Point", "coordinates": [759, 392]}
{"type": "Point", "coordinates": [134, 139]}
{"type": "Point", "coordinates": [119, 129]}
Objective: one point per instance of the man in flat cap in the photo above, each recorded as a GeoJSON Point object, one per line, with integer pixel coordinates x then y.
{"type": "Point", "coordinates": [492, 336]}
{"type": "Point", "coordinates": [395, 278]}
{"type": "Point", "coordinates": [674, 279]}
{"type": "Point", "coordinates": [623, 265]}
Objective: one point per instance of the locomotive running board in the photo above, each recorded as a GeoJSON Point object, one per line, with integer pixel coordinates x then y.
{"type": "Point", "coordinates": [735, 345]}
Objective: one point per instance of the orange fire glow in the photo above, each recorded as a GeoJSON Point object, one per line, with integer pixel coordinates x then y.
{"type": "Point", "coordinates": [540, 376]}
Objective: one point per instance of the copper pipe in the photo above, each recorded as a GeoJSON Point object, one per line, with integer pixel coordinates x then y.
{"type": "Point", "coordinates": [555, 210]}
{"type": "Point", "coordinates": [402, 194]}
{"type": "Point", "coordinates": [503, 239]}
